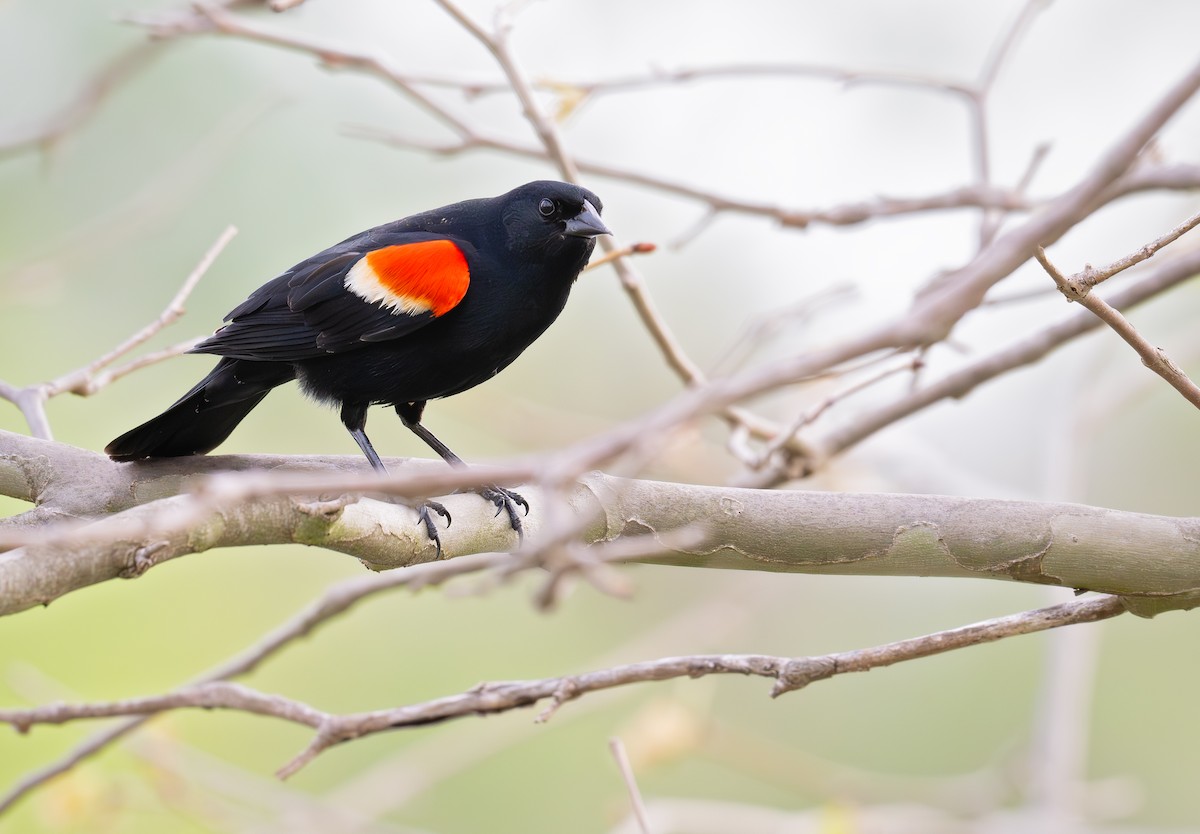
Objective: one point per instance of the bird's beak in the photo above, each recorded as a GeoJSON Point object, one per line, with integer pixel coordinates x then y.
{"type": "Point", "coordinates": [587, 223]}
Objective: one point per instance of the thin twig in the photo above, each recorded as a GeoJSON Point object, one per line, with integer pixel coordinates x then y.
{"type": "Point", "coordinates": [845, 214]}
{"type": "Point", "coordinates": [660, 77]}
{"type": "Point", "coordinates": [617, 748]}
{"type": "Point", "coordinates": [1091, 277]}
{"type": "Point", "coordinates": [623, 252]}
{"type": "Point", "coordinates": [809, 416]}
{"type": "Point", "coordinates": [106, 378]}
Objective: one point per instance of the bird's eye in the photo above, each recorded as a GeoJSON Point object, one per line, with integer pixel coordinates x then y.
{"type": "Point", "coordinates": [546, 207]}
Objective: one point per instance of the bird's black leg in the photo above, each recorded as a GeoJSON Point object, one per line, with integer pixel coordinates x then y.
{"type": "Point", "coordinates": [506, 500]}
{"type": "Point", "coordinates": [354, 418]}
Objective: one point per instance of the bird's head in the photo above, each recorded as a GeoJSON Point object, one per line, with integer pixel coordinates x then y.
{"type": "Point", "coordinates": [556, 219]}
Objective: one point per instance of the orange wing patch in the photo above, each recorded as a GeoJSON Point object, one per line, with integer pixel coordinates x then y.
{"type": "Point", "coordinates": [412, 278]}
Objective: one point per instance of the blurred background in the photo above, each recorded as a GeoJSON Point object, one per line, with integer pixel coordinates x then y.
{"type": "Point", "coordinates": [100, 227]}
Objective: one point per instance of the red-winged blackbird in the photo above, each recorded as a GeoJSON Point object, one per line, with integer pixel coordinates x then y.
{"type": "Point", "coordinates": [409, 311]}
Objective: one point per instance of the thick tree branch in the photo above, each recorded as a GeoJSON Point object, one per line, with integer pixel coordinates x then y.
{"type": "Point", "coordinates": [1152, 561]}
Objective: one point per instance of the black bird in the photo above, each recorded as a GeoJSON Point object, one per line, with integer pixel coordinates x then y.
{"type": "Point", "coordinates": [410, 311]}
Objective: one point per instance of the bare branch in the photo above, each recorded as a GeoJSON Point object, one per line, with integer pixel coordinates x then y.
{"type": "Point", "coordinates": [31, 400]}
{"type": "Point", "coordinates": [335, 601]}
{"type": "Point", "coordinates": [847, 214]}
{"type": "Point", "coordinates": [789, 674]}
{"type": "Point", "coordinates": [580, 89]}
{"type": "Point", "coordinates": [204, 696]}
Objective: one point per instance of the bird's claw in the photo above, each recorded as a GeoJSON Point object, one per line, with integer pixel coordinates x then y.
{"type": "Point", "coordinates": [425, 516]}
{"type": "Point", "coordinates": [506, 501]}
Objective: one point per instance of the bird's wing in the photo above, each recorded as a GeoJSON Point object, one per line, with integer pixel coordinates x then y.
{"type": "Point", "coordinates": [345, 298]}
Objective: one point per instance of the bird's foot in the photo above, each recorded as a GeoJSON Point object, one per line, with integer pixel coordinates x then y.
{"type": "Point", "coordinates": [425, 514]}
{"type": "Point", "coordinates": [506, 501]}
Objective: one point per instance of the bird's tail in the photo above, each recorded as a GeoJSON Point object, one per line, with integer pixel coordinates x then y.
{"type": "Point", "coordinates": [202, 419]}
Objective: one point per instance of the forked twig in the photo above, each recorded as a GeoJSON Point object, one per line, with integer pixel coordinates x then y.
{"type": "Point", "coordinates": [1078, 287]}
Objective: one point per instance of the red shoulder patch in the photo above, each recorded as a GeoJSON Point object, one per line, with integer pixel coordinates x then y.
{"type": "Point", "coordinates": [429, 276]}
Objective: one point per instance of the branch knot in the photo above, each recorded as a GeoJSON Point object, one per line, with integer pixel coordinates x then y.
{"type": "Point", "coordinates": [797, 673]}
